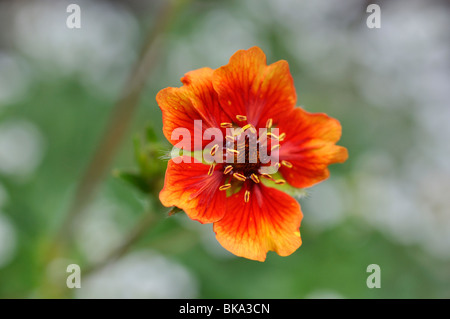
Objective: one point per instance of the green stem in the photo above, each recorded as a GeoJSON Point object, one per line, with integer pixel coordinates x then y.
{"type": "Point", "coordinates": [109, 143]}
{"type": "Point", "coordinates": [120, 119]}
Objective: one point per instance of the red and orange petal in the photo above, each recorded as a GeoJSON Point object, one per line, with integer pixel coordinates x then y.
{"type": "Point", "coordinates": [269, 221]}
{"type": "Point", "coordinates": [188, 186]}
{"type": "Point", "coordinates": [248, 86]}
{"type": "Point", "coordinates": [309, 146]}
{"type": "Point", "coordinates": [257, 218]}
{"type": "Point", "coordinates": [195, 100]}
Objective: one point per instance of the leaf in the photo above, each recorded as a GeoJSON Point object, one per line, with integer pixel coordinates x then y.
{"type": "Point", "coordinates": [297, 193]}
{"type": "Point", "coordinates": [134, 179]}
{"type": "Point", "coordinates": [151, 135]}
{"type": "Point", "coordinates": [175, 210]}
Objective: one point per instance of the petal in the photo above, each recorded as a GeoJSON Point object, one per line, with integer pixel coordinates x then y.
{"type": "Point", "coordinates": [195, 100]}
{"type": "Point", "coordinates": [309, 146]}
{"type": "Point", "coordinates": [270, 220]}
{"type": "Point", "coordinates": [247, 86]}
{"type": "Point", "coordinates": [188, 186]}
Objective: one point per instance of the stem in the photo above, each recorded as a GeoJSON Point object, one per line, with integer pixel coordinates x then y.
{"type": "Point", "coordinates": [119, 120]}
{"type": "Point", "coordinates": [108, 145]}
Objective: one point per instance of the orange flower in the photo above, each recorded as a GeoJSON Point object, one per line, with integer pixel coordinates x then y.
{"type": "Point", "coordinates": [239, 194]}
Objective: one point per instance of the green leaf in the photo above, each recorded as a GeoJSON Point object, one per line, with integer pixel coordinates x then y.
{"type": "Point", "coordinates": [297, 193]}
{"type": "Point", "coordinates": [134, 179]}
{"type": "Point", "coordinates": [151, 135]}
{"type": "Point", "coordinates": [175, 210]}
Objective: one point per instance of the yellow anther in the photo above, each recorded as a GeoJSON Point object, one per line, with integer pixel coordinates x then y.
{"type": "Point", "coordinates": [249, 126]}
{"type": "Point", "coordinates": [232, 151]}
{"type": "Point", "coordinates": [280, 182]}
{"type": "Point", "coordinates": [272, 135]}
{"type": "Point", "coordinates": [286, 163]}
{"type": "Point", "coordinates": [247, 196]}
{"type": "Point", "coordinates": [224, 187]}
{"type": "Point", "coordinates": [241, 117]}
{"type": "Point", "coordinates": [229, 138]}
{"type": "Point", "coordinates": [239, 177]}
{"type": "Point", "coordinates": [226, 125]}
{"type": "Point", "coordinates": [228, 169]}
{"type": "Point", "coordinates": [211, 169]}
{"type": "Point", "coordinates": [282, 136]}
{"type": "Point", "coordinates": [274, 147]}
{"type": "Point", "coordinates": [268, 177]}
{"type": "Point", "coordinates": [254, 178]}
{"type": "Point", "coordinates": [214, 149]}
{"type": "Point", "coordinates": [269, 123]}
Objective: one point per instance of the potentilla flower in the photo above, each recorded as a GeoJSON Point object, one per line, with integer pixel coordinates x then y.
{"type": "Point", "coordinates": [267, 142]}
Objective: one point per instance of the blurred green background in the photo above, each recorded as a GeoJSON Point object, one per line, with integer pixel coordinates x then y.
{"type": "Point", "coordinates": [59, 87]}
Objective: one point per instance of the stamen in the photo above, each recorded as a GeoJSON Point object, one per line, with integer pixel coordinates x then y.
{"type": "Point", "coordinates": [228, 169]}
{"type": "Point", "coordinates": [269, 123]}
{"type": "Point", "coordinates": [232, 151]}
{"type": "Point", "coordinates": [282, 136]}
{"type": "Point", "coordinates": [226, 125]}
{"type": "Point", "coordinates": [214, 149]}
{"type": "Point", "coordinates": [268, 177]}
{"type": "Point", "coordinates": [277, 165]}
{"type": "Point", "coordinates": [251, 127]}
{"type": "Point", "coordinates": [274, 147]}
{"type": "Point", "coordinates": [224, 187]}
{"type": "Point", "coordinates": [241, 117]}
{"type": "Point", "coordinates": [239, 177]}
{"type": "Point", "coordinates": [247, 196]}
{"type": "Point", "coordinates": [254, 178]}
{"type": "Point", "coordinates": [280, 182]}
{"type": "Point", "coordinates": [229, 138]}
{"type": "Point", "coordinates": [237, 131]}
{"type": "Point", "coordinates": [211, 169]}
{"type": "Point", "coordinates": [286, 163]}
{"type": "Point", "coordinates": [272, 135]}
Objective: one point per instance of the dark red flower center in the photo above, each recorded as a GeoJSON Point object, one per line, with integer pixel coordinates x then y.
{"type": "Point", "coordinates": [248, 156]}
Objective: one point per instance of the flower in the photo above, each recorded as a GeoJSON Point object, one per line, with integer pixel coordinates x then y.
{"type": "Point", "coordinates": [250, 103]}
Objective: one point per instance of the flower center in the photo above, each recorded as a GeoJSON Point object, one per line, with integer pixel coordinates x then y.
{"type": "Point", "coordinates": [243, 153]}
{"type": "Point", "coordinates": [249, 157]}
